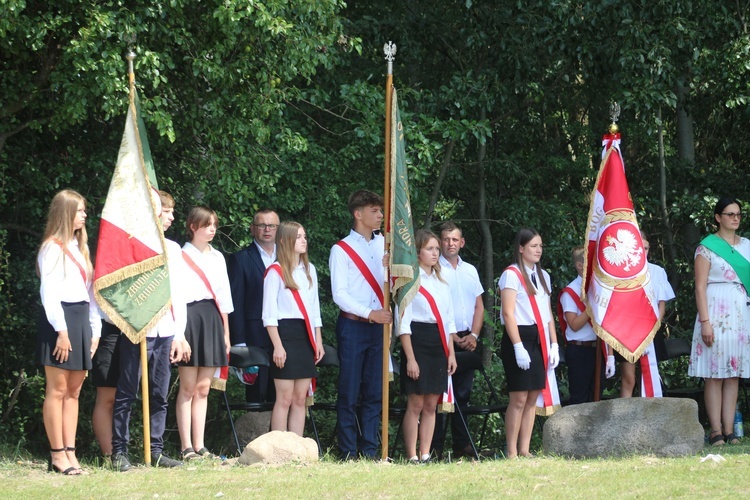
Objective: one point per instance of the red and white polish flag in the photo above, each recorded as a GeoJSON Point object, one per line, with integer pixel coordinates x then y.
{"type": "Point", "coordinates": [617, 287]}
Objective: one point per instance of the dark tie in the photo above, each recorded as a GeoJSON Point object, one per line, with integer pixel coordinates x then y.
{"type": "Point", "coordinates": [533, 280]}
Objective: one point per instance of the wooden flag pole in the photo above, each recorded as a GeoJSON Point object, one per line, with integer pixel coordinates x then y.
{"type": "Point", "coordinates": [598, 370]}
{"type": "Point", "coordinates": [390, 51]}
{"type": "Point", "coordinates": [130, 56]}
{"type": "Point", "coordinates": [146, 409]}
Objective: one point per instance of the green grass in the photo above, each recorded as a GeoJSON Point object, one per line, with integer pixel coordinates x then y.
{"type": "Point", "coordinates": [546, 477]}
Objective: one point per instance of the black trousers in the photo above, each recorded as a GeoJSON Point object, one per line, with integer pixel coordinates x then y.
{"type": "Point", "coordinates": [159, 372]}
{"type": "Point", "coordinates": [463, 381]}
{"type": "Point", "coordinates": [581, 361]}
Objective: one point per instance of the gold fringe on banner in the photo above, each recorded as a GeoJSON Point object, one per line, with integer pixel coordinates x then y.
{"type": "Point", "coordinates": [546, 412]}
{"type": "Point", "coordinates": [446, 408]}
{"type": "Point", "coordinates": [219, 384]}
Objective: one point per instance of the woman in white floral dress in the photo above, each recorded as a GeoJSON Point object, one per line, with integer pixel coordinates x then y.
{"type": "Point", "coordinates": [721, 341]}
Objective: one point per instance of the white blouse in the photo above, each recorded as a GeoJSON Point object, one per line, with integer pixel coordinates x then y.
{"type": "Point", "coordinates": [523, 312]}
{"type": "Point", "coordinates": [279, 303]}
{"type": "Point", "coordinates": [214, 266]}
{"type": "Point", "coordinates": [419, 309]}
{"type": "Point", "coordinates": [61, 281]}
{"type": "Point", "coordinates": [660, 283]}
{"type": "Point", "coordinates": [568, 303]}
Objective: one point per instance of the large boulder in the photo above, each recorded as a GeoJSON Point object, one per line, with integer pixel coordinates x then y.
{"type": "Point", "coordinates": [279, 447]}
{"type": "Point", "coordinates": [666, 427]}
{"type": "Point", "coordinates": [250, 426]}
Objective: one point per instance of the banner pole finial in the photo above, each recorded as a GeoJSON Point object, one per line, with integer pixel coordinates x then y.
{"type": "Point", "coordinates": [390, 55]}
{"type": "Point", "coordinates": [614, 114]}
{"type": "Point", "coordinates": [130, 56]}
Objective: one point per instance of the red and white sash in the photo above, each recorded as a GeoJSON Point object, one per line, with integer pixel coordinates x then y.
{"type": "Point", "coordinates": [548, 401]}
{"type": "Point", "coordinates": [367, 274]}
{"type": "Point", "coordinates": [447, 400]}
{"type": "Point", "coordinates": [581, 307]}
{"type": "Point", "coordinates": [376, 287]}
{"type": "Point", "coordinates": [219, 380]}
{"type": "Point", "coordinates": [309, 400]}
{"type": "Point", "coordinates": [650, 380]}
{"type": "Point", "coordinates": [69, 254]}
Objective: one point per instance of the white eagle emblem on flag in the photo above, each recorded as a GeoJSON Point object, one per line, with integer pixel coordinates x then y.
{"type": "Point", "coordinates": [623, 250]}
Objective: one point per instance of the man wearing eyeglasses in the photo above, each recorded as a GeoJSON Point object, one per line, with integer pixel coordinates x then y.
{"type": "Point", "coordinates": [246, 270]}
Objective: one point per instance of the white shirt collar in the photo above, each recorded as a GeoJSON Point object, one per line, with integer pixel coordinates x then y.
{"type": "Point", "coordinates": [446, 263]}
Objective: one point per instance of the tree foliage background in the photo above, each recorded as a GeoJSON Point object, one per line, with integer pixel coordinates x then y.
{"type": "Point", "coordinates": [280, 103]}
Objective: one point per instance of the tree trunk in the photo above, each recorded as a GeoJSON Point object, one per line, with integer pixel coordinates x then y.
{"type": "Point", "coordinates": [438, 185]}
{"type": "Point", "coordinates": [664, 210]}
{"type": "Point", "coordinates": [486, 265]}
{"type": "Point", "coordinates": [685, 134]}
{"type": "Point", "coordinates": [686, 156]}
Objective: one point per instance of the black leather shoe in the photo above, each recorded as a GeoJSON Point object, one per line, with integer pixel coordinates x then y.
{"type": "Point", "coordinates": [120, 462]}
{"type": "Point", "coordinates": [161, 460]}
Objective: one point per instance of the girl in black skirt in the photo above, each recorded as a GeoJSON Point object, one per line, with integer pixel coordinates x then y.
{"type": "Point", "coordinates": [294, 329]}
{"type": "Point", "coordinates": [520, 349]}
{"type": "Point", "coordinates": [424, 351]}
{"type": "Point", "coordinates": [69, 333]}
{"type": "Point", "coordinates": [209, 301]}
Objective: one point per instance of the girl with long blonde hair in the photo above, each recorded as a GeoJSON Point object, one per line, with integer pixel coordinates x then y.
{"type": "Point", "coordinates": [69, 332]}
{"type": "Point", "coordinates": [291, 314]}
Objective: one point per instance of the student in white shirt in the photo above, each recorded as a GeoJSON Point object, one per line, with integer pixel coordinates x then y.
{"type": "Point", "coordinates": [424, 364]}
{"type": "Point", "coordinates": [207, 331]}
{"type": "Point", "coordinates": [295, 354]}
{"type": "Point", "coordinates": [520, 349]}
{"type": "Point", "coordinates": [69, 333]}
{"type": "Point", "coordinates": [581, 351]}
{"type": "Point", "coordinates": [357, 288]}
{"type": "Point", "coordinates": [164, 345]}
{"type": "Point", "coordinates": [664, 293]}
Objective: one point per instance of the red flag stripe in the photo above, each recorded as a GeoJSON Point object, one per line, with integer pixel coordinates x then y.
{"type": "Point", "coordinates": [122, 250]}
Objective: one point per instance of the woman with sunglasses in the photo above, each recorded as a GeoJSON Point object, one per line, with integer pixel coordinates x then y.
{"type": "Point", "coordinates": [721, 338]}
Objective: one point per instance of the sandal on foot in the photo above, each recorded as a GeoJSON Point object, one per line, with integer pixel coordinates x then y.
{"type": "Point", "coordinates": [189, 454]}
{"type": "Point", "coordinates": [70, 471]}
{"type": "Point", "coordinates": [79, 468]}
{"type": "Point", "coordinates": [731, 438]}
{"type": "Point", "coordinates": [717, 440]}
{"type": "Point", "coordinates": [204, 453]}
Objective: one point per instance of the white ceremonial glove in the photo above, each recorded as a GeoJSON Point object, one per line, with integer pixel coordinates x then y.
{"type": "Point", "coordinates": [523, 360]}
{"type": "Point", "coordinates": [609, 371]}
{"type": "Point", "coordinates": [554, 355]}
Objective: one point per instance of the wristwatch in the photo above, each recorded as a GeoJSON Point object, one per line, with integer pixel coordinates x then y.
{"type": "Point", "coordinates": [476, 337]}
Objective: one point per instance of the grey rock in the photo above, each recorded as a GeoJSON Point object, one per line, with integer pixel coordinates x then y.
{"type": "Point", "coordinates": [279, 447]}
{"type": "Point", "coordinates": [250, 426]}
{"type": "Point", "coordinates": [666, 427]}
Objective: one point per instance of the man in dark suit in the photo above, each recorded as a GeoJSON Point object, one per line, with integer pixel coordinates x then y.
{"type": "Point", "coordinates": [246, 270]}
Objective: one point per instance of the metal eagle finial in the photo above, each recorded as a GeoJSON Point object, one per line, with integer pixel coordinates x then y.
{"type": "Point", "coordinates": [614, 114]}
{"type": "Point", "coordinates": [390, 55]}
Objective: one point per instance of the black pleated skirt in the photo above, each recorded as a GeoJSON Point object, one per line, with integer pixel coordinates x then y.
{"type": "Point", "coordinates": [300, 357]}
{"type": "Point", "coordinates": [106, 362]}
{"type": "Point", "coordinates": [205, 334]}
{"type": "Point", "coordinates": [430, 356]}
{"type": "Point", "coordinates": [79, 333]}
{"type": "Point", "coordinates": [532, 379]}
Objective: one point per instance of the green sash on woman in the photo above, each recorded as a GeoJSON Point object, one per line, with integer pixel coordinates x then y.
{"type": "Point", "coordinates": [723, 249]}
